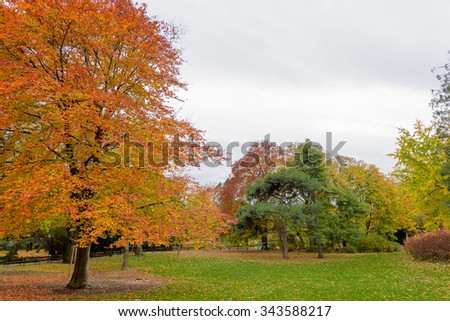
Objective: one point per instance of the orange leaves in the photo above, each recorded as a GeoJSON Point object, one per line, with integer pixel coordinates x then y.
{"type": "Point", "coordinates": [176, 211]}
{"type": "Point", "coordinates": [28, 196]}
{"type": "Point", "coordinates": [206, 220]}
{"type": "Point", "coordinates": [260, 159]}
{"type": "Point", "coordinates": [77, 77]}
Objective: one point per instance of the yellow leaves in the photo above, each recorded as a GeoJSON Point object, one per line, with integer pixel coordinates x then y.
{"type": "Point", "coordinates": [389, 209]}
{"type": "Point", "coordinates": [76, 78]}
{"type": "Point", "coordinates": [420, 155]}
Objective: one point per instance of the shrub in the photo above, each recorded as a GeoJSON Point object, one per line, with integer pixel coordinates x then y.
{"type": "Point", "coordinates": [375, 243]}
{"type": "Point", "coordinates": [348, 249]}
{"type": "Point", "coordinates": [434, 246]}
{"type": "Point", "coordinates": [12, 253]}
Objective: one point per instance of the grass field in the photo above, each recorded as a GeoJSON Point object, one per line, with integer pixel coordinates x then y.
{"type": "Point", "coordinates": [246, 275]}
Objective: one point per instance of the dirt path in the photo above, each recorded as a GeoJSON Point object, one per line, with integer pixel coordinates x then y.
{"type": "Point", "coordinates": [49, 286]}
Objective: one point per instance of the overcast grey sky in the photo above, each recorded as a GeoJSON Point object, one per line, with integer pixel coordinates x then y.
{"type": "Point", "coordinates": [300, 68]}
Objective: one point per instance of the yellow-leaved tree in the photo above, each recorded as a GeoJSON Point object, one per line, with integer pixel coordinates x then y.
{"type": "Point", "coordinates": [420, 156]}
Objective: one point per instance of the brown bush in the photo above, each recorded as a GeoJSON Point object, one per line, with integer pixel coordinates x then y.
{"type": "Point", "coordinates": [434, 246]}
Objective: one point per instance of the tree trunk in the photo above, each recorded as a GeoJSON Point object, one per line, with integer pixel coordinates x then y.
{"type": "Point", "coordinates": [138, 251]}
{"type": "Point", "coordinates": [320, 250]}
{"type": "Point", "coordinates": [67, 253]}
{"type": "Point", "coordinates": [125, 257]}
{"type": "Point", "coordinates": [280, 226]}
{"type": "Point", "coordinates": [80, 276]}
{"type": "Point", "coordinates": [369, 222]}
{"type": "Point", "coordinates": [285, 241]}
{"type": "Point", "coordinates": [69, 248]}
{"type": "Point", "coordinates": [264, 241]}
{"type": "Point", "coordinates": [14, 249]}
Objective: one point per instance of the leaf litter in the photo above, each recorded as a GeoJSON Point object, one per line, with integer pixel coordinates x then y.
{"type": "Point", "coordinates": [23, 285]}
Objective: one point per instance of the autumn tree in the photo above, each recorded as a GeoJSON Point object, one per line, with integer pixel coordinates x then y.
{"type": "Point", "coordinates": [331, 205]}
{"type": "Point", "coordinates": [381, 207]}
{"type": "Point", "coordinates": [84, 90]}
{"type": "Point", "coordinates": [185, 216]}
{"type": "Point", "coordinates": [423, 160]}
{"type": "Point", "coordinates": [298, 195]}
{"type": "Point", "coordinates": [420, 156]}
{"type": "Point", "coordinates": [260, 159]}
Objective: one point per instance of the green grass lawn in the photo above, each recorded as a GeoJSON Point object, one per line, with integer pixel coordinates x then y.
{"type": "Point", "coordinates": [264, 276]}
{"type": "Point", "coordinates": [259, 276]}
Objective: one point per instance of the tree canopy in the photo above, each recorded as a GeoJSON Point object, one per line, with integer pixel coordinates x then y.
{"type": "Point", "coordinates": [85, 86]}
{"type": "Point", "coordinates": [292, 195]}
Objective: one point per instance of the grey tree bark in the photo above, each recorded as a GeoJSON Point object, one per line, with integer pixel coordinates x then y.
{"type": "Point", "coordinates": [80, 277]}
{"type": "Point", "coordinates": [125, 257]}
{"type": "Point", "coordinates": [138, 250]}
{"type": "Point", "coordinates": [320, 250]}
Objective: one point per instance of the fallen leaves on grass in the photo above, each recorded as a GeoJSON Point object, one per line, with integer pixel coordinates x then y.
{"type": "Point", "coordinates": [17, 285]}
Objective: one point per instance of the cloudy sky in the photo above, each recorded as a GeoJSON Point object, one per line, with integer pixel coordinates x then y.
{"type": "Point", "coordinates": [298, 69]}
